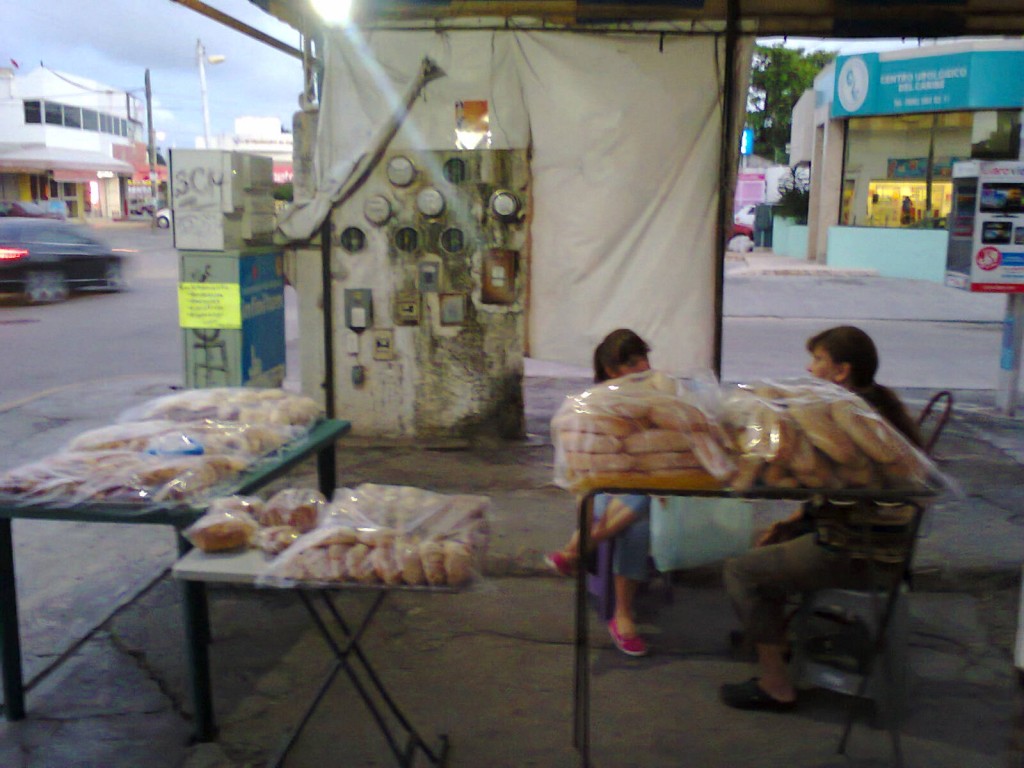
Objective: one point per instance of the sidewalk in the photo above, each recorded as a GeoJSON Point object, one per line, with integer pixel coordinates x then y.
{"type": "Point", "coordinates": [492, 667]}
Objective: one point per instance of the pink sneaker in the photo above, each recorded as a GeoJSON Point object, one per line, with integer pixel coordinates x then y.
{"type": "Point", "coordinates": [560, 563]}
{"type": "Point", "coordinates": [631, 646]}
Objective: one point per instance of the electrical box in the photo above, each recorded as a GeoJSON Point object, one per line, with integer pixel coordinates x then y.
{"type": "Point", "coordinates": [231, 312]}
{"type": "Point", "coordinates": [498, 281]}
{"type": "Point", "coordinates": [358, 309]}
{"type": "Point", "coordinates": [430, 276]}
{"type": "Point", "coordinates": [384, 344]}
{"type": "Point", "coordinates": [407, 308]}
{"type": "Point", "coordinates": [221, 200]}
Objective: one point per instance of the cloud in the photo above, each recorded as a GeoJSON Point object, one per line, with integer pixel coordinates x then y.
{"type": "Point", "coordinates": [115, 41]}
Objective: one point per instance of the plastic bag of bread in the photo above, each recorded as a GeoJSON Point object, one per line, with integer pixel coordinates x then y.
{"type": "Point", "coordinates": [809, 433]}
{"type": "Point", "coordinates": [296, 507]}
{"type": "Point", "coordinates": [390, 536]}
{"type": "Point", "coordinates": [645, 430]}
{"type": "Point", "coordinates": [192, 437]}
{"type": "Point", "coordinates": [222, 529]}
{"type": "Point", "coordinates": [246, 405]}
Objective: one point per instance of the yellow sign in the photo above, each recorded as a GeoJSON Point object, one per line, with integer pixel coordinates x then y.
{"type": "Point", "coordinates": [210, 305]}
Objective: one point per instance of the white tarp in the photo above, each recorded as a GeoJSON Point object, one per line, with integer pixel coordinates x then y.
{"type": "Point", "coordinates": [625, 134]}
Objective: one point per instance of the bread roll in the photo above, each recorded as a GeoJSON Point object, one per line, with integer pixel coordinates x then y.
{"type": "Point", "coordinates": [432, 557]}
{"type": "Point", "coordinates": [589, 442]}
{"type": "Point", "coordinates": [871, 433]}
{"type": "Point", "coordinates": [650, 462]}
{"type": "Point", "coordinates": [656, 440]}
{"type": "Point", "coordinates": [815, 419]}
{"type": "Point", "coordinates": [458, 563]}
{"type": "Point", "coordinates": [678, 416]}
{"type": "Point", "coordinates": [599, 462]}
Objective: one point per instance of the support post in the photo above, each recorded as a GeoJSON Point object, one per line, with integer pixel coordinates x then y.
{"type": "Point", "coordinates": [1010, 354]}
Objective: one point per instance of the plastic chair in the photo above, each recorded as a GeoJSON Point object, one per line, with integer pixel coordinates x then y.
{"type": "Point", "coordinates": [601, 583]}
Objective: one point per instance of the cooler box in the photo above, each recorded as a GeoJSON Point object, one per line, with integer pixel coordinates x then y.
{"type": "Point", "coordinates": [231, 311]}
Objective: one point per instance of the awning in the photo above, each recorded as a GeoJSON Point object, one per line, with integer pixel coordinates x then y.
{"type": "Point", "coordinates": [39, 158]}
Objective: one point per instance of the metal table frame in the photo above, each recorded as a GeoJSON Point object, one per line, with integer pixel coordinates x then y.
{"type": "Point", "coordinates": [319, 440]}
{"type": "Point", "coordinates": [585, 503]}
{"type": "Point", "coordinates": [342, 637]}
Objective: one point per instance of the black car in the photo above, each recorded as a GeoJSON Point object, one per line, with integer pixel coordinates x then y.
{"type": "Point", "coordinates": [46, 259]}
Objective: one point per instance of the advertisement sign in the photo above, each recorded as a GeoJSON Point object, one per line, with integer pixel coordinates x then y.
{"type": "Point", "coordinates": [997, 264]}
{"type": "Point", "coordinates": [888, 83]}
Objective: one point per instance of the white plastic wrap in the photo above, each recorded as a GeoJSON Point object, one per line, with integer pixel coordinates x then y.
{"type": "Point", "coordinates": [244, 405]}
{"type": "Point", "coordinates": [390, 536]}
{"type": "Point", "coordinates": [642, 430]}
{"type": "Point", "coordinates": [124, 476]}
{"type": "Point", "coordinates": [809, 433]}
{"type": "Point", "coordinates": [190, 437]}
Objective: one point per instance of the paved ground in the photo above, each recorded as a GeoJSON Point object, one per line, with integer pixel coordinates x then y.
{"type": "Point", "coordinates": [492, 667]}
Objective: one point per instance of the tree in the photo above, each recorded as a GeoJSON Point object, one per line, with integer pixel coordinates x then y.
{"type": "Point", "coordinates": [779, 77]}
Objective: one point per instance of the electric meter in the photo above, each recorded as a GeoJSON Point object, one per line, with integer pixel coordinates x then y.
{"type": "Point", "coordinates": [430, 201]}
{"type": "Point", "coordinates": [377, 210]}
{"type": "Point", "coordinates": [401, 171]}
{"type": "Point", "coordinates": [504, 205]}
{"type": "Point", "coordinates": [352, 239]}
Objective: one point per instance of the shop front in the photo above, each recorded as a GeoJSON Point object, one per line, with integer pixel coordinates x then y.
{"type": "Point", "coordinates": [903, 119]}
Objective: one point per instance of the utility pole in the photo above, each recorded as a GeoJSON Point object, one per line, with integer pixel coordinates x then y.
{"type": "Point", "coordinates": [154, 180]}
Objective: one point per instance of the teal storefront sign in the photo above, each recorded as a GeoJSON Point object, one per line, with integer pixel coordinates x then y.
{"type": "Point", "coordinates": [866, 84]}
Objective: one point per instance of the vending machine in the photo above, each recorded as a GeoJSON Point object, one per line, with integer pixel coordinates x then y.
{"type": "Point", "coordinates": [986, 252]}
{"type": "Point", "coordinates": [986, 231]}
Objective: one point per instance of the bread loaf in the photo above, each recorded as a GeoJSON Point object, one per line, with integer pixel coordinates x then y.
{"type": "Point", "coordinates": [656, 441]}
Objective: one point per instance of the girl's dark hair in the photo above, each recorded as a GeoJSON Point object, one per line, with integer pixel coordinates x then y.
{"type": "Point", "coordinates": [849, 344]}
{"type": "Point", "coordinates": [617, 348]}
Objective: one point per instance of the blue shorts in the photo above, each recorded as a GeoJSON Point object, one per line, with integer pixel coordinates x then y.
{"type": "Point", "coordinates": [633, 545]}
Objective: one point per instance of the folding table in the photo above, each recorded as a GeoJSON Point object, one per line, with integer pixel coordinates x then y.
{"type": "Point", "coordinates": [341, 636]}
{"type": "Point", "coordinates": [319, 440]}
{"type": "Point", "coordinates": [581, 677]}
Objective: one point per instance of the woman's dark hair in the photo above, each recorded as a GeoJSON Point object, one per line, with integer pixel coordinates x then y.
{"type": "Point", "coordinates": [616, 349]}
{"type": "Point", "coordinates": [849, 344]}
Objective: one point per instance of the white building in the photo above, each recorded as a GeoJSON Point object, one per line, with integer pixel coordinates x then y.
{"type": "Point", "coordinates": [68, 138]}
{"type": "Point", "coordinates": [261, 136]}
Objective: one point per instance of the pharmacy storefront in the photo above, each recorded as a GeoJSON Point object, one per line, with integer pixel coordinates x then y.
{"type": "Point", "coordinates": [906, 117]}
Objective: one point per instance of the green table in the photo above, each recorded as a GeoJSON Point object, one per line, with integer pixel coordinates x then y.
{"type": "Point", "coordinates": [320, 441]}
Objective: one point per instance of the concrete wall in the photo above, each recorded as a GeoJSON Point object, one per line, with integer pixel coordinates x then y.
{"type": "Point", "coordinates": [907, 253]}
{"type": "Point", "coordinates": [789, 238]}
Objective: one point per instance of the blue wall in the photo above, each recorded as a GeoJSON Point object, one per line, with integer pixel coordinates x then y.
{"type": "Point", "coordinates": [918, 254]}
{"type": "Point", "coordinates": [789, 239]}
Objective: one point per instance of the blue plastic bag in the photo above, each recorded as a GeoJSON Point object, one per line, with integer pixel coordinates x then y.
{"type": "Point", "coordinates": [691, 531]}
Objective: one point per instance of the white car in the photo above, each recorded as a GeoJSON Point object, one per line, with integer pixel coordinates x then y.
{"type": "Point", "coordinates": [163, 218]}
{"type": "Point", "coordinates": [745, 216]}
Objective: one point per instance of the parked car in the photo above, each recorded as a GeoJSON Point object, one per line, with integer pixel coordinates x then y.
{"type": "Point", "coordinates": [163, 218]}
{"type": "Point", "coordinates": [25, 209]}
{"type": "Point", "coordinates": [47, 259]}
{"type": "Point", "coordinates": [745, 216]}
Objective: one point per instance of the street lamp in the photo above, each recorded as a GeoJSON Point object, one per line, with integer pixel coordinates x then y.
{"type": "Point", "coordinates": [201, 60]}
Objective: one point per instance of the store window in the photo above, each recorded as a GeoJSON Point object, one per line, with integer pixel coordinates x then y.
{"type": "Point", "coordinates": [898, 168]}
{"type": "Point", "coordinates": [995, 135]}
{"type": "Point", "coordinates": [33, 112]}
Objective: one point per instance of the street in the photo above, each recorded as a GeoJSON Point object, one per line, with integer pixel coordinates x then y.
{"type": "Point", "coordinates": [929, 336]}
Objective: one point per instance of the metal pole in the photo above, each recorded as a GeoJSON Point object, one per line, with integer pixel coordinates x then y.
{"type": "Point", "coordinates": [154, 182]}
{"type": "Point", "coordinates": [1010, 354]}
{"type": "Point", "coordinates": [201, 61]}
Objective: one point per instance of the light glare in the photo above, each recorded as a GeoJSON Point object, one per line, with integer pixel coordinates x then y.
{"type": "Point", "coordinates": [334, 12]}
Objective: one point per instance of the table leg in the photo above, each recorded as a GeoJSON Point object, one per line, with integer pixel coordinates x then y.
{"type": "Point", "coordinates": [327, 469]}
{"type": "Point", "coordinates": [581, 688]}
{"type": "Point", "coordinates": [10, 641]}
{"type": "Point", "coordinates": [197, 640]}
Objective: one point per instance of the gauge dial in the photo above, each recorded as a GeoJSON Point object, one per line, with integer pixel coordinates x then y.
{"type": "Point", "coordinates": [377, 210]}
{"type": "Point", "coordinates": [352, 239]}
{"type": "Point", "coordinates": [401, 171]}
{"type": "Point", "coordinates": [430, 201]}
{"type": "Point", "coordinates": [504, 204]}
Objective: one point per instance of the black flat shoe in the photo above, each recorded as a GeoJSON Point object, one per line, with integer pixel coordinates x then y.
{"type": "Point", "coordinates": [749, 695]}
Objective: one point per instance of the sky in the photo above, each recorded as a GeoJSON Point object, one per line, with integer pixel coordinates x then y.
{"type": "Point", "coordinates": [115, 41]}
